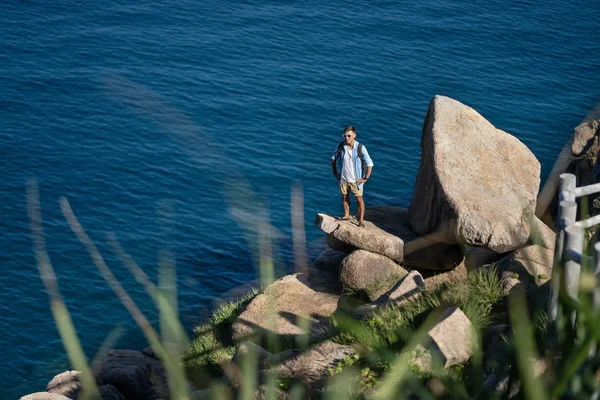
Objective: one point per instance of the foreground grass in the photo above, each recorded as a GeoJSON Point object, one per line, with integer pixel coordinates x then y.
{"type": "Point", "coordinates": [212, 344]}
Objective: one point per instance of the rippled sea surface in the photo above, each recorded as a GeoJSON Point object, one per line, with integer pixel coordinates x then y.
{"type": "Point", "coordinates": [177, 125]}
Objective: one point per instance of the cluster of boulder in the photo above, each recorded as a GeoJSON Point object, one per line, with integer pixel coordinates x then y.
{"type": "Point", "coordinates": [124, 374]}
{"type": "Point", "coordinates": [474, 203]}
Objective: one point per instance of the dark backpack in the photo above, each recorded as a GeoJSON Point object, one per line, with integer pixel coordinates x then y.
{"type": "Point", "coordinates": [338, 154]}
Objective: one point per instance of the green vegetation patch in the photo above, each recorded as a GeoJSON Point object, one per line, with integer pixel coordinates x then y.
{"type": "Point", "coordinates": [212, 343]}
{"type": "Point", "coordinates": [391, 325]}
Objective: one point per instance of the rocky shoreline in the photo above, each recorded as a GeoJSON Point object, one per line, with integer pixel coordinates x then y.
{"type": "Point", "coordinates": [473, 207]}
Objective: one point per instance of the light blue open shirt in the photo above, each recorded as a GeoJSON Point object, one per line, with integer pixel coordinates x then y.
{"type": "Point", "coordinates": [358, 170]}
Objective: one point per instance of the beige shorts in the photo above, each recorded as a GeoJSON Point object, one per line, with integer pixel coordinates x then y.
{"type": "Point", "coordinates": [344, 186]}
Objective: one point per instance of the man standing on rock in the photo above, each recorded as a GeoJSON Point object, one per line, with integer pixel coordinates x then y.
{"type": "Point", "coordinates": [352, 167]}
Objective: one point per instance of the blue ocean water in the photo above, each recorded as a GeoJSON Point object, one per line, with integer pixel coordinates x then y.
{"type": "Point", "coordinates": [178, 125]}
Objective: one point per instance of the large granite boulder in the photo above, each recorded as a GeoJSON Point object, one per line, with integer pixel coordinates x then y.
{"type": "Point", "coordinates": [313, 295]}
{"type": "Point", "coordinates": [368, 273]}
{"type": "Point", "coordinates": [388, 233]}
{"type": "Point", "coordinates": [477, 185]}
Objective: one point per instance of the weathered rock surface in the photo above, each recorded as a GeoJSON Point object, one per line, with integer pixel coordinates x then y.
{"type": "Point", "coordinates": [66, 383]}
{"type": "Point", "coordinates": [541, 234]}
{"type": "Point", "coordinates": [313, 295]}
{"type": "Point", "coordinates": [329, 260]}
{"type": "Point", "coordinates": [435, 279]}
{"type": "Point", "coordinates": [411, 286]}
{"type": "Point", "coordinates": [453, 336]}
{"type": "Point", "coordinates": [388, 233]}
{"type": "Point", "coordinates": [406, 289]}
{"type": "Point", "coordinates": [134, 375]}
{"type": "Point", "coordinates": [311, 365]}
{"type": "Point", "coordinates": [370, 238]}
{"type": "Point", "coordinates": [532, 264]}
{"type": "Point", "coordinates": [476, 185]}
{"type": "Point", "coordinates": [44, 396]}
{"type": "Point", "coordinates": [369, 273]}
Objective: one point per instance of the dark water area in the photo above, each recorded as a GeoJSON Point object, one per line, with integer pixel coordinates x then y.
{"type": "Point", "coordinates": [178, 126]}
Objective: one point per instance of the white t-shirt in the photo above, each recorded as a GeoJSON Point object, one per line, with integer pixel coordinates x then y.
{"type": "Point", "coordinates": [348, 167]}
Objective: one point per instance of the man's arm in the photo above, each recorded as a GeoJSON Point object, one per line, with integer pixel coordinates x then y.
{"type": "Point", "coordinates": [335, 173]}
{"type": "Point", "coordinates": [367, 175]}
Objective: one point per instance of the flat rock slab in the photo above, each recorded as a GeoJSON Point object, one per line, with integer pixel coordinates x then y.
{"type": "Point", "coordinates": [45, 396]}
{"type": "Point", "coordinates": [408, 288]}
{"type": "Point", "coordinates": [369, 273]}
{"type": "Point", "coordinates": [541, 234]}
{"type": "Point", "coordinates": [405, 290]}
{"type": "Point", "coordinates": [387, 232]}
{"type": "Point", "coordinates": [313, 296]}
{"type": "Point", "coordinates": [476, 185]}
{"type": "Point", "coordinates": [311, 366]}
{"type": "Point", "coordinates": [453, 336]}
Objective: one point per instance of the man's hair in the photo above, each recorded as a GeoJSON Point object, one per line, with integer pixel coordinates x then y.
{"type": "Point", "coordinates": [350, 128]}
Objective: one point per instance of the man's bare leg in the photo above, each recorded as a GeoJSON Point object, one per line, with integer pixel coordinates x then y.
{"type": "Point", "coordinates": [361, 209]}
{"type": "Point", "coordinates": [346, 203]}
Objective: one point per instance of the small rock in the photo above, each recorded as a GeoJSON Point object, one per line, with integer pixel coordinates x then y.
{"type": "Point", "coordinates": [453, 336]}
{"type": "Point", "coordinates": [66, 383]}
{"type": "Point", "coordinates": [410, 287]}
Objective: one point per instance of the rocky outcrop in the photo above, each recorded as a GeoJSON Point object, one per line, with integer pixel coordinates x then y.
{"type": "Point", "coordinates": [369, 273]}
{"type": "Point", "coordinates": [389, 234]}
{"type": "Point", "coordinates": [313, 295]}
{"type": "Point", "coordinates": [410, 287]}
{"type": "Point", "coordinates": [476, 185]}
{"type": "Point", "coordinates": [453, 336]}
